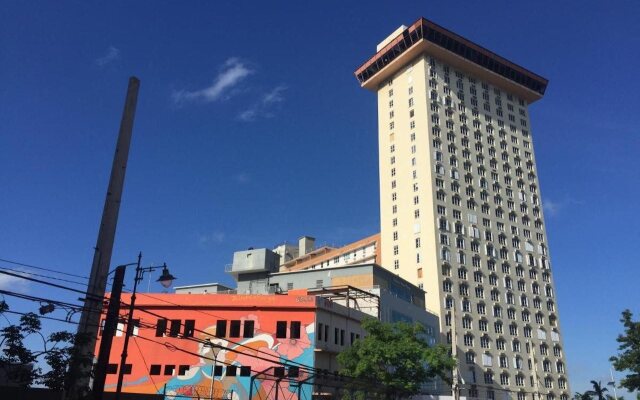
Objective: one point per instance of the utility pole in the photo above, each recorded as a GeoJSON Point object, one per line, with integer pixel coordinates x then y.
{"type": "Point", "coordinates": [79, 371]}
{"type": "Point", "coordinates": [110, 327]}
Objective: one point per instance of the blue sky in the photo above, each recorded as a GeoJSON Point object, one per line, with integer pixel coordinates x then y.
{"type": "Point", "coordinates": [251, 130]}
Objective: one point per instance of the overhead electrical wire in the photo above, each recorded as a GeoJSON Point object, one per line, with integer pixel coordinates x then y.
{"type": "Point", "coordinates": [287, 363]}
{"type": "Point", "coordinates": [42, 268]}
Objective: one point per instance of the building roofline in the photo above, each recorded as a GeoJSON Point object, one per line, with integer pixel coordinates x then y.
{"type": "Point", "coordinates": [426, 35]}
{"type": "Point", "coordinates": [201, 285]}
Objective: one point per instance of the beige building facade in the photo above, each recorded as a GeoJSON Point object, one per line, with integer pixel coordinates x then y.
{"type": "Point", "coordinates": [460, 209]}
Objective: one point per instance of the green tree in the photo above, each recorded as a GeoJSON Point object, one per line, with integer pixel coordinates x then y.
{"type": "Point", "coordinates": [629, 357]}
{"type": "Point", "coordinates": [396, 356]}
{"type": "Point", "coordinates": [598, 390]}
{"type": "Point", "coordinates": [18, 363]}
{"type": "Point", "coordinates": [582, 396]}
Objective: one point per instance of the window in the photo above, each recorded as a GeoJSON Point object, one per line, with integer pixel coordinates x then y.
{"type": "Point", "coordinates": [470, 357]}
{"type": "Point", "coordinates": [189, 328]}
{"type": "Point", "coordinates": [169, 369]}
{"type": "Point", "coordinates": [182, 370]}
{"type": "Point", "coordinates": [281, 329]}
{"type": "Point", "coordinates": [161, 327]}
{"type": "Point", "coordinates": [112, 369]}
{"type": "Point", "coordinates": [468, 340]}
{"type": "Point", "coordinates": [221, 328]}
{"type": "Point", "coordinates": [174, 330]}
{"type": "Point", "coordinates": [234, 329]}
{"type": "Point", "coordinates": [248, 328]}
{"type": "Point", "coordinates": [155, 369]}
{"type": "Point", "coordinates": [294, 332]}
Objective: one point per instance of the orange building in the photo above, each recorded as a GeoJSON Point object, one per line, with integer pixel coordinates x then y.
{"type": "Point", "coordinates": [231, 346]}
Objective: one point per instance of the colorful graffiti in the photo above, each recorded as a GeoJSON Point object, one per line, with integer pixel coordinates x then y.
{"type": "Point", "coordinates": [223, 365]}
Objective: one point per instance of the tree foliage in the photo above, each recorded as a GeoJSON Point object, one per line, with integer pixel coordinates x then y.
{"type": "Point", "coordinates": [629, 357]}
{"type": "Point", "coordinates": [396, 356]}
{"type": "Point", "coordinates": [598, 391]}
{"type": "Point", "coordinates": [18, 363]}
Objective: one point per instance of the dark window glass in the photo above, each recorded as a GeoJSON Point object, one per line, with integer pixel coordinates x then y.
{"type": "Point", "coordinates": [218, 370]}
{"type": "Point", "coordinates": [245, 371]}
{"type": "Point", "coordinates": [155, 369]}
{"type": "Point", "coordinates": [336, 332]}
{"type": "Point", "coordinates": [294, 372]}
{"type": "Point", "coordinates": [231, 370]}
{"type": "Point", "coordinates": [341, 337]}
{"type": "Point", "coordinates": [161, 327]}
{"type": "Point", "coordinates": [320, 328]}
{"type": "Point", "coordinates": [248, 328]}
{"type": "Point", "coordinates": [278, 371]}
{"type": "Point", "coordinates": [281, 329]}
{"type": "Point", "coordinates": [326, 333]}
{"type": "Point", "coordinates": [353, 337]}
{"type": "Point", "coordinates": [295, 330]}
{"type": "Point", "coordinates": [234, 329]}
{"type": "Point", "coordinates": [189, 327]}
{"type": "Point", "coordinates": [127, 369]}
{"type": "Point", "coordinates": [221, 328]}
{"type": "Point", "coordinates": [182, 370]}
{"type": "Point", "coordinates": [174, 330]}
{"type": "Point", "coordinates": [112, 369]}
{"type": "Point", "coordinates": [168, 369]}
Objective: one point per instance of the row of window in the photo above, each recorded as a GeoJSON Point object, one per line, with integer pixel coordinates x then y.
{"type": "Point", "coordinates": [324, 331]}
{"type": "Point", "coordinates": [491, 395]}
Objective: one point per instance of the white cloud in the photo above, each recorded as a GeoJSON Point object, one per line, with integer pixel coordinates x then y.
{"type": "Point", "coordinates": [263, 107]}
{"type": "Point", "coordinates": [212, 238]}
{"type": "Point", "coordinates": [551, 207]}
{"type": "Point", "coordinates": [242, 178]}
{"type": "Point", "coordinates": [112, 55]}
{"type": "Point", "coordinates": [231, 74]}
{"type": "Point", "coordinates": [13, 283]}
{"type": "Point", "coordinates": [274, 96]}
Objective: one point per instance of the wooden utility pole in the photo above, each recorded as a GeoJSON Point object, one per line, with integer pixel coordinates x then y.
{"type": "Point", "coordinates": [79, 372]}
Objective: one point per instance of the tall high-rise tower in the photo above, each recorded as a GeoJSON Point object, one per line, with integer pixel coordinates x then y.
{"type": "Point", "coordinates": [460, 206]}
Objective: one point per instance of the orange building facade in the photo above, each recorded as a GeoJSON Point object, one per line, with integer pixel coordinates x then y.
{"type": "Point", "coordinates": [231, 346]}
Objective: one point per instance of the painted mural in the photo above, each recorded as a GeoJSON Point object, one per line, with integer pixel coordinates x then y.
{"type": "Point", "coordinates": [183, 368]}
{"type": "Point", "coordinates": [198, 381]}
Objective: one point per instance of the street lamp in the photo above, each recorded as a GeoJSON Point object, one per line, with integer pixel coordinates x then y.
{"type": "Point", "coordinates": [166, 279]}
{"type": "Point", "coordinates": [213, 366]}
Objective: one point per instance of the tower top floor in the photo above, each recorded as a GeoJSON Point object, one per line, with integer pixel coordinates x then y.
{"type": "Point", "coordinates": [425, 36]}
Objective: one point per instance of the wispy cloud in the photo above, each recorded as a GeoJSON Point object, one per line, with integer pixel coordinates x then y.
{"type": "Point", "coordinates": [110, 56]}
{"type": "Point", "coordinates": [264, 107]}
{"type": "Point", "coordinates": [242, 178]}
{"type": "Point", "coordinates": [8, 282]}
{"type": "Point", "coordinates": [211, 238]}
{"type": "Point", "coordinates": [552, 208]}
{"type": "Point", "coordinates": [231, 74]}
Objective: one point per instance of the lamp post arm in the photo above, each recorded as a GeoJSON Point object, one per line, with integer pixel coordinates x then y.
{"type": "Point", "coordinates": [128, 331]}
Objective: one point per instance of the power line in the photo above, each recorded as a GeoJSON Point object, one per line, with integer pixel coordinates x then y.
{"type": "Point", "coordinates": [43, 276]}
{"type": "Point", "coordinates": [51, 284]}
{"type": "Point", "coordinates": [42, 268]}
{"type": "Point", "coordinates": [285, 363]}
